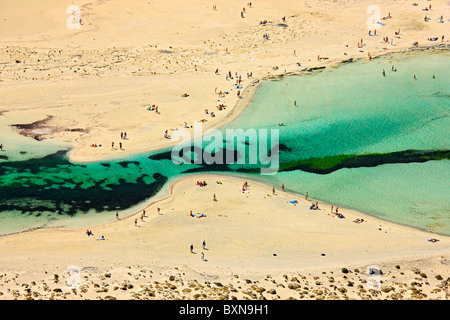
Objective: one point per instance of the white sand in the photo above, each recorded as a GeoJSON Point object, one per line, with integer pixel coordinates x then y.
{"type": "Point", "coordinates": [251, 234]}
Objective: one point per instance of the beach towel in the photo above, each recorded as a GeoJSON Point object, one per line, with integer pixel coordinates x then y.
{"type": "Point", "coordinates": [293, 201]}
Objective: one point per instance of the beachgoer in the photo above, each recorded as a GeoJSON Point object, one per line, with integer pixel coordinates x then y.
{"type": "Point", "coordinates": [117, 216]}
{"type": "Point", "coordinates": [203, 256]}
{"type": "Point", "coordinates": [204, 244]}
{"type": "Point", "coordinates": [192, 248]}
{"type": "Point", "coordinates": [158, 209]}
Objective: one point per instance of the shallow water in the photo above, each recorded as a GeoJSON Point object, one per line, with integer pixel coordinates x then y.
{"type": "Point", "coordinates": [350, 110]}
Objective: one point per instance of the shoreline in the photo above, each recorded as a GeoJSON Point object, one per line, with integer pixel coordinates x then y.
{"type": "Point", "coordinates": [150, 255]}
{"type": "Point", "coordinates": [175, 181]}
{"type": "Point", "coordinates": [241, 104]}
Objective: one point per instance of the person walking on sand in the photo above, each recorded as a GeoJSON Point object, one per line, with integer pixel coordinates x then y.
{"type": "Point", "coordinates": [192, 248]}
{"type": "Point", "coordinates": [203, 256]}
{"type": "Point", "coordinates": [120, 145]}
{"type": "Point", "coordinates": [214, 197]}
{"type": "Point", "coordinates": [158, 209]}
{"type": "Point", "coordinates": [204, 244]}
{"type": "Point", "coordinates": [117, 216]}
{"type": "Point", "coordinates": [273, 190]}
{"type": "Point", "coordinates": [135, 222]}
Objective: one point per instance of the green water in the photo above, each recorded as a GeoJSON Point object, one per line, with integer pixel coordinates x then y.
{"type": "Point", "coordinates": [350, 120]}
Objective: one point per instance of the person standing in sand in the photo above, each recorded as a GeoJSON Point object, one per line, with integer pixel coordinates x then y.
{"type": "Point", "coordinates": [192, 248]}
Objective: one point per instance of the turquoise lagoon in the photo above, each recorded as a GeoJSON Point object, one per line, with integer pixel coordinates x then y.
{"type": "Point", "coordinates": [351, 116]}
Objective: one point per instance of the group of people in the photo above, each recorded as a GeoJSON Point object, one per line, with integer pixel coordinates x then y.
{"type": "Point", "coordinates": [153, 108]}
{"type": "Point", "coordinates": [198, 215]}
{"type": "Point", "coordinates": [89, 233]}
{"type": "Point", "coordinates": [201, 183]}
{"type": "Point", "coordinates": [120, 145]}
{"type": "Point", "coordinates": [203, 247]}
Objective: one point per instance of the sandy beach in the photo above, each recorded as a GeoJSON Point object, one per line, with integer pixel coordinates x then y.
{"type": "Point", "coordinates": [100, 80]}
{"type": "Point", "coordinates": [87, 86]}
{"type": "Point", "coordinates": [254, 235]}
